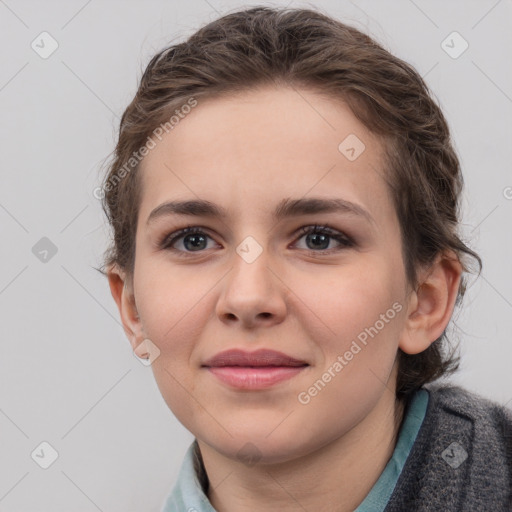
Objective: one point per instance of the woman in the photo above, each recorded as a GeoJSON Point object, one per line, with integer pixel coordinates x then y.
{"type": "Point", "coordinates": [284, 203]}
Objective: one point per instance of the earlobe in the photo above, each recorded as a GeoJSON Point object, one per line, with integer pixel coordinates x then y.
{"type": "Point", "coordinates": [122, 291]}
{"type": "Point", "coordinates": [431, 304]}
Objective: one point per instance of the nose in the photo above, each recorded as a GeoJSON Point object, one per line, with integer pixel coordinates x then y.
{"type": "Point", "coordinates": [253, 294]}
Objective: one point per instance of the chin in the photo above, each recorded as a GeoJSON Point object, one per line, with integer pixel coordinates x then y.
{"type": "Point", "coordinates": [258, 448]}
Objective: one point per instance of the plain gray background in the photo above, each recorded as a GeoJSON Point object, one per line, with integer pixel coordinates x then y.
{"type": "Point", "coordinates": [68, 376]}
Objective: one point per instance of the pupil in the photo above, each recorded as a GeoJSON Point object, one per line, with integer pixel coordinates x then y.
{"type": "Point", "coordinates": [324, 238]}
{"type": "Point", "coordinates": [195, 240]}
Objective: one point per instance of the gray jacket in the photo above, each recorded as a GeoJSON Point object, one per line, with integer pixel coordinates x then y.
{"type": "Point", "coordinates": [461, 459]}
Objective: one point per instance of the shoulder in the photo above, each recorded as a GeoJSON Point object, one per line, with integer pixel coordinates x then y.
{"type": "Point", "coordinates": [462, 456]}
{"type": "Point", "coordinates": [481, 425]}
{"type": "Point", "coordinates": [486, 423]}
{"type": "Point", "coordinates": [455, 400]}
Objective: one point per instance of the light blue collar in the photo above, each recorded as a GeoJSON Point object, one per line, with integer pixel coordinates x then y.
{"type": "Point", "coordinates": [187, 494]}
{"type": "Point", "coordinates": [378, 497]}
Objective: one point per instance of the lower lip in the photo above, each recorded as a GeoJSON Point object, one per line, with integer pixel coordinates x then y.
{"type": "Point", "coordinates": [243, 377]}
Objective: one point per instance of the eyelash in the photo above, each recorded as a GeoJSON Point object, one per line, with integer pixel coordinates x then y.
{"type": "Point", "coordinates": [346, 242]}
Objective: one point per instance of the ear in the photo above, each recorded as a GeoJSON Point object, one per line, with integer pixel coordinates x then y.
{"type": "Point", "coordinates": [121, 287]}
{"type": "Point", "coordinates": [430, 306]}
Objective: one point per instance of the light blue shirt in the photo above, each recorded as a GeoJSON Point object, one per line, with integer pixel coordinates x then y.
{"type": "Point", "coordinates": [188, 496]}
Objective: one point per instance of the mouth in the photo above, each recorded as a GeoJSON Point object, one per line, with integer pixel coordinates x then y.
{"type": "Point", "coordinates": [254, 370]}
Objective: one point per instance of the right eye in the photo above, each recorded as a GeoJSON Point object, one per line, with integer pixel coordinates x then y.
{"type": "Point", "coordinates": [192, 238]}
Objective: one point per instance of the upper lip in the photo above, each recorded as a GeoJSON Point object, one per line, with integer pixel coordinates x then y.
{"type": "Point", "coordinates": [262, 357]}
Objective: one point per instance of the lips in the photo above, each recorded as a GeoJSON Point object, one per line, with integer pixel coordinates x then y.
{"type": "Point", "coordinates": [259, 358]}
{"type": "Point", "coordinates": [252, 371]}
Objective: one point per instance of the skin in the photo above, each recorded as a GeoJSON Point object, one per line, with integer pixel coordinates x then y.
{"type": "Point", "coordinates": [246, 153]}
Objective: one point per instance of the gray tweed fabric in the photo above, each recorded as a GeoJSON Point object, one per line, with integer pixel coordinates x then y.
{"type": "Point", "coordinates": [461, 459]}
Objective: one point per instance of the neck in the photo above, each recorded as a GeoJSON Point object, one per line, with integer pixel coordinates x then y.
{"type": "Point", "coordinates": [340, 473]}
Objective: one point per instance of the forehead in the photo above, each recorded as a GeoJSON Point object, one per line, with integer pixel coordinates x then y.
{"type": "Point", "coordinates": [254, 148]}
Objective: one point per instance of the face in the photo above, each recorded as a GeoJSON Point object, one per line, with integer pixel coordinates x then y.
{"type": "Point", "coordinates": [261, 276]}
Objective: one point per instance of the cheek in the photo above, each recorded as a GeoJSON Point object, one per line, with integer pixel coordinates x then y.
{"type": "Point", "coordinates": [362, 317]}
{"type": "Point", "coordinates": [350, 300]}
{"type": "Point", "coordinates": [172, 309]}
{"type": "Point", "coordinates": [171, 306]}
{"type": "Point", "coordinates": [363, 311]}
{"type": "Point", "coordinates": [168, 297]}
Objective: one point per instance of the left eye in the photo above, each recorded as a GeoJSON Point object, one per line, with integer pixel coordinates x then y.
{"type": "Point", "coordinates": [194, 239]}
{"type": "Point", "coordinates": [320, 236]}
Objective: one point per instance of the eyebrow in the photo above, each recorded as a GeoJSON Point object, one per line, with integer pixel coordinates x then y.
{"type": "Point", "coordinates": [286, 208]}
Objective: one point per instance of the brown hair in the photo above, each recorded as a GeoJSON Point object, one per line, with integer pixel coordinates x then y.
{"type": "Point", "coordinates": [304, 48]}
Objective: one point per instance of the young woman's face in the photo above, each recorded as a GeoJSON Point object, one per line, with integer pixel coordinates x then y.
{"type": "Point", "coordinates": [333, 299]}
